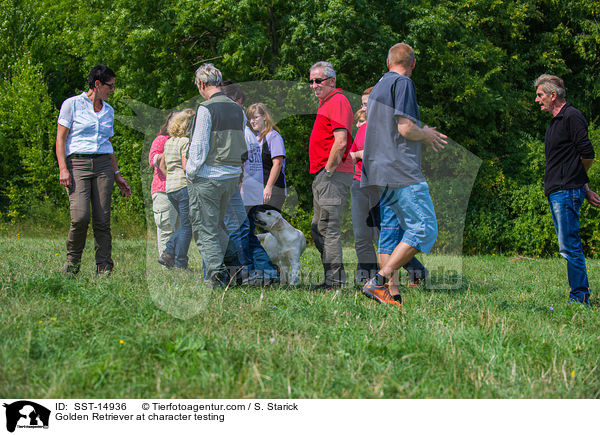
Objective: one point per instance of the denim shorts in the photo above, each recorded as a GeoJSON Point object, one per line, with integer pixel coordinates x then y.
{"type": "Point", "coordinates": [407, 215]}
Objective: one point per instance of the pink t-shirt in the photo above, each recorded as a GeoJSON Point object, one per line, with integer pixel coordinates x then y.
{"type": "Point", "coordinates": [359, 144]}
{"type": "Point", "coordinates": [158, 181]}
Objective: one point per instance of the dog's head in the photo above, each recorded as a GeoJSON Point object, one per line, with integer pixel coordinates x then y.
{"type": "Point", "coordinates": [268, 219]}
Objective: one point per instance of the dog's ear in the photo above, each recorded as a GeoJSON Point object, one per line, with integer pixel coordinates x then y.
{"type": "Point", "coordinates": [279, 223]}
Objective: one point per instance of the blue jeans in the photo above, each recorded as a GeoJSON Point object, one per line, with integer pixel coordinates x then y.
{"type": "Point", "coordinates": [250, 253]}
{"type": "Point", "coordinates": [415, 222]}
{"type": "Point", "coordinates": [565, 207]}
{"type": "Point", "coordinates": [179, 242]}
{"type": "Point", "coordinates": [261, 263]}
{"type": "Point", "coordinates": [238, 229]}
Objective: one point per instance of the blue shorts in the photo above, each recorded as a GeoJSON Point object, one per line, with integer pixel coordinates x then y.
{"type": "Point", "coordinates": [407, 215]}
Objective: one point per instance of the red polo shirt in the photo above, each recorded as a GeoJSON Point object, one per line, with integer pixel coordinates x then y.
{"type": "Point", "coordinates": [334, 113]}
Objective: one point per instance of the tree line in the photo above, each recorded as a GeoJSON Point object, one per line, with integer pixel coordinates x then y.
{"type": "Point", "coordinates": [476, 62]}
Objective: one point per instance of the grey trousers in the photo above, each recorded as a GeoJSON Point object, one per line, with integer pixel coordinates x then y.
{"type": "Point", "coordinates": [362, 201]}
{"type": "Point", "coordinates": [93, 180]}
{"type": "Point", "coordinates": [208, 202]}
{"type": "Point", "coordinates": [329, 201]}
{"type": "Point", "coordinates": [165, 218]}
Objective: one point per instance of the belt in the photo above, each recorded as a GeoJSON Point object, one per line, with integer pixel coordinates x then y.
{"type": "Point", "coordinates": [87, 156]}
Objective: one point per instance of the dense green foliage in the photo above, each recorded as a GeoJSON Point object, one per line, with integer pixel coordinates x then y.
{"type": "Point", "coordinates": [116, 337]}
{"type": "Point", "coordinates": [476, 63]}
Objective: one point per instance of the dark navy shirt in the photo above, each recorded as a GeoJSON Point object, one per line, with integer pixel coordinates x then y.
{"type": "Point", "coordinates": [566, 144]}
{"type": "Point", "coordinates": [389, 159]}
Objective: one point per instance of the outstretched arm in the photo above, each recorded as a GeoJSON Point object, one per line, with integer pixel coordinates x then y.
{"type": "Point", "coordinates": [428, 135]}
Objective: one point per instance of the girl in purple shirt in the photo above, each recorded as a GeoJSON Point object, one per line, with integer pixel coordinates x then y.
{"type": "Point", "coordinates": [273, 154]}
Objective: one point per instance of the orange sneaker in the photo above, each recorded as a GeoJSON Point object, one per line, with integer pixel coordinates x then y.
{"type": "Point", "coordinates": [379, 293]}
{"type": "Point", "coordinates": [397, 298]}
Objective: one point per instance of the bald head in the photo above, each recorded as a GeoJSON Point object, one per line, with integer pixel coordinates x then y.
{"type": "Point", "coordinates": [402, 55]}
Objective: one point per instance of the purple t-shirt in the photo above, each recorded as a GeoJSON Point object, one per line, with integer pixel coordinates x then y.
{"type": "Point", "coordinates": [275, 143]}
{"type": "Point", "coordinates": [274, 148]}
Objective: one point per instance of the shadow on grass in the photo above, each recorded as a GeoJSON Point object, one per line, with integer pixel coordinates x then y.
{"type": "Point", "coordinates": [53, 285]}
{"type": "Point", "coordinates": [475, 286]}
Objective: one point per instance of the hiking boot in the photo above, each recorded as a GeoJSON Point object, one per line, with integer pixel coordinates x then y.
{"type": "Point", "coordinates": [166, 260]}
{"type": "Point", "coordinates": [219, 280]}
{"type": "Point", "coordinates": [71, 271]}
{"type": "Point", "coordinates": [379, 293]}
{"type": "Point", "coordinates": [103, 270]}
{"type": "Point", "coordinates": [417, 277]}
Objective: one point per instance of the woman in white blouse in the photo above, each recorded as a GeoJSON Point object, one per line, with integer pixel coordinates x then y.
{"type": "Point", "coordinates": [88, 167]}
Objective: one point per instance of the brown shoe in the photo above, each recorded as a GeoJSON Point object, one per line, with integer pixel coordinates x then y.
{"type": "Point", "coordinates": [166, 260]}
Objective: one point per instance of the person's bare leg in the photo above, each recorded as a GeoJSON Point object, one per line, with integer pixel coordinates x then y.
{"type": "Point", "coordinates": [401, 255]}
{"type": "Point", "coordinates": [393, 288]}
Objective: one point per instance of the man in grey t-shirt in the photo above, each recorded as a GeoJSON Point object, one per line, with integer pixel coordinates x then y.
{"type": "Point", "coordinates": [392, 161]}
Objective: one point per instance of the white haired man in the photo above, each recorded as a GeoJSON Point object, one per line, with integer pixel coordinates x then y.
{"type": "Point", "coordinates": [569, 155]}
{"type": "Point", "coordinates": [328, 150]}
{"type": "Point", "coordinates": [217, 151]}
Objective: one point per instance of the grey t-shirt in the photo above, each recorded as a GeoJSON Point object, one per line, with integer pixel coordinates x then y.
{"type": "Point", "coordinates": [389, 159]}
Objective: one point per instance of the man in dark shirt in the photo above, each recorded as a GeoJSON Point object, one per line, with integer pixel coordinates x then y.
{"type": "Point", "coordinates": [569, 154]}
{"type": "Point", "coordinates": [392, 162]}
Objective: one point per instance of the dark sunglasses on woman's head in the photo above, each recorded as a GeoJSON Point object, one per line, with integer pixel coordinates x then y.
{"type": "Point", "coordinates": [318, 81]}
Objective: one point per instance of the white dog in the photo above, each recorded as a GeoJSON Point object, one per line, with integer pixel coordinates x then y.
{"type": "Point", "coordinates": [284, 244]}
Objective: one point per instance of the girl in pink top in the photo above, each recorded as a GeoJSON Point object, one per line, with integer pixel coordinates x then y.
{"type": "Point", "coordinates": [165, 215]}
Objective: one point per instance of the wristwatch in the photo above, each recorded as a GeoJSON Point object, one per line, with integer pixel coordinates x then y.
{"type": "Point", "coordinates": [327, 173]}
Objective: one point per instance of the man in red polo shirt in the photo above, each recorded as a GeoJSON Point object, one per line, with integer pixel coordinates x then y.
{"type": "Point", "coordinates": [328, 151]}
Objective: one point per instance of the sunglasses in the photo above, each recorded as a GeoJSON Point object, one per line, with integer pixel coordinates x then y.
{"type": "Point", "coordinates": [318, 81]}
{"type": "Point", "coordinates": [110, 85]}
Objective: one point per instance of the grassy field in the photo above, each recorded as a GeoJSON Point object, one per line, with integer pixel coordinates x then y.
{"type": "Point", "coordinates": [505, 332]}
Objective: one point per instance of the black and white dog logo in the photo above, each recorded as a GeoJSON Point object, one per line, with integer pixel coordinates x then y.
{"type": "Point", "coordinates": [26, 415]}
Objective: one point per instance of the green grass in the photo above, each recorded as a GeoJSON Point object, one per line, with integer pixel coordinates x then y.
{"type": "Point", "coordinates": [145, 332]}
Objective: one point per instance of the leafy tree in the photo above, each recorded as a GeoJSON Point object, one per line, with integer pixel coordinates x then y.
{"type": "Point", "coordinates": [476, 62]}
